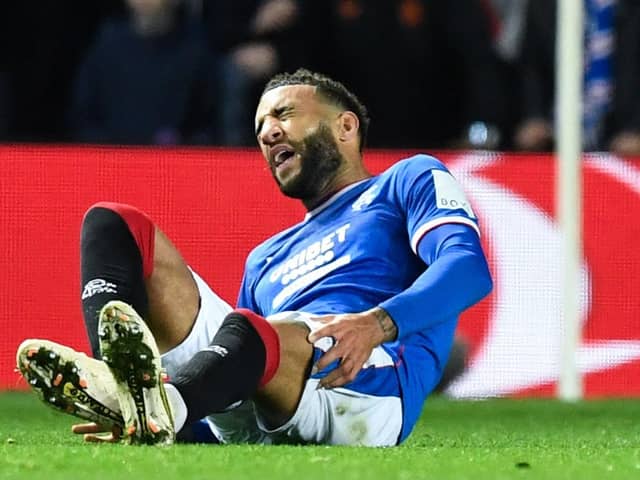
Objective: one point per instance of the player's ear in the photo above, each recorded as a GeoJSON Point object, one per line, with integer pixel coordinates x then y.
{"type": "Point", "coordinates": [348, 125]}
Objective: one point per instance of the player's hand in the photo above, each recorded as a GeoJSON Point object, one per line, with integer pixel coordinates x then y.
{"type": "Point", "coordinates": [94, 432]}
{"type": "Point", "coordinates": [356, 335]}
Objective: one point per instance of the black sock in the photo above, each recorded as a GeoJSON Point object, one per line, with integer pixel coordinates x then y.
{"type": "Point", "coordinates": [227, 371]}
{"type": "Point", "coordinates": [111, 268]}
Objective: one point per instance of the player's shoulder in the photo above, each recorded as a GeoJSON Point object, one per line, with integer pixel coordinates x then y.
{"type": "Point", "coordinates": [407, 171]}
{"type": "Point", "coordinates": [415, 164]}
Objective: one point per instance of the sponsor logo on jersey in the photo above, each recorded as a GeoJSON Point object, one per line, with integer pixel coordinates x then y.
{"type": "Point", "coordinates": [310, 264]}
{"type": "Point", "coordinates": [314, 256]}
{"type": "Point", "coordinates": [449, 193]}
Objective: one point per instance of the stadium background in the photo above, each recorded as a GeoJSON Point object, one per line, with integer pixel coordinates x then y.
{"type": "Point", "coordinates": [217, 203]}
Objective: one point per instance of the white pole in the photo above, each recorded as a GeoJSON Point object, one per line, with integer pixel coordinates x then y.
{"type": "Point", "coordinates": [569, 73]}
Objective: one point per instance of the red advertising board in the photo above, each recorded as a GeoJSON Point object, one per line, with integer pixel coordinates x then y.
{"type": "Point", "coordinates": [216, 204]}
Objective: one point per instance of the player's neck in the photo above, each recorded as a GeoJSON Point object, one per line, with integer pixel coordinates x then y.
{"type": "Point", "coordinates": [340, 182]}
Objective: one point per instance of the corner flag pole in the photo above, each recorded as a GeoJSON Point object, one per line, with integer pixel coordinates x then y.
{"type": "Point", "coordinates": [569, 73]}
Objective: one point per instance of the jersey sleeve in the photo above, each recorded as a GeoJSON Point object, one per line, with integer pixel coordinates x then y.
{"type": "Point", "coordinates": [430, 196]}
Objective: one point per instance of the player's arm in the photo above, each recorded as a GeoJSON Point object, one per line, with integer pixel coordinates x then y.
{"type": "Point", "coordinates": [456, 278]}
{"type": "Point", "coordinates": [444, 234]}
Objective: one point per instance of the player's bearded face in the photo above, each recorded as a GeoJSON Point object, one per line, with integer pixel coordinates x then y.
{"type": "Point", "coordinates": [320, 161]}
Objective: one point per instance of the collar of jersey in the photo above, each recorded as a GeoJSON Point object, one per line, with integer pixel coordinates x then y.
{"type": "Point", "coordinates": [335, 197]}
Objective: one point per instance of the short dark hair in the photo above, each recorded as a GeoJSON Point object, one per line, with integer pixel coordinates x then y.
{"type": "Point", "coordinates": [331, 90]}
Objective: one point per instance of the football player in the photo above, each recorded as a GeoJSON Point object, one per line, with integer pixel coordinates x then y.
{"type": "Point", "coordinates": [343, 322]}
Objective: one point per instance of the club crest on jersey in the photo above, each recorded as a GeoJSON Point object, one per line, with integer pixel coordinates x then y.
{"type": "Point", "coordinates": [365, 198]}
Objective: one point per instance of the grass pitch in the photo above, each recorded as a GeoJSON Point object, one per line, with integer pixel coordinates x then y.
{"type": "Point", "coordinates": [496, 439]}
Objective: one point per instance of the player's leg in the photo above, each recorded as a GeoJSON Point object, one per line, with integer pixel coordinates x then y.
{"type": "Point", "coordinates": [278, 400]}
{"type": "Point", "coordinates": [131, 269]}
{"type": "Point", "coordinates": [290, 407]}
{"type": "Point", "coordinates": [231, 366]}
{"type": "Point", "coordinates": [244, 356]}
{"type": "Point", "coordinates": [125, 257]}
{"type": "Point", "coordinates": [126, 261]}
{"type": "Point", "coordinates": [249, 357]}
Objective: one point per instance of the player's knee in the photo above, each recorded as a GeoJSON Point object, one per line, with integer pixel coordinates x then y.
{"type": "Point", "coordinates": [100, 219]}
{"type": "Point", "coordinates": [106, 215]}
{"type": "Point", "coordinates": [293, 336]}
{"type": "Point", "coordinates": [109, 221]}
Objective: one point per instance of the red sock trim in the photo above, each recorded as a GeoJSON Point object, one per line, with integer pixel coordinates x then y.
{"type": "Point", "coordinates": [142, 229]}
{"type": "Point", "coordinates": [271, 341]}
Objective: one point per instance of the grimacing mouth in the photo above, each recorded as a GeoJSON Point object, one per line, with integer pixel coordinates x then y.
{"type": "Point", "coordinates": [280, 153]}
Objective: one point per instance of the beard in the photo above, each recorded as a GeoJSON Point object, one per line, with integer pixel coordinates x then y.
{"type": "Point", "coordinates": [320, 161]}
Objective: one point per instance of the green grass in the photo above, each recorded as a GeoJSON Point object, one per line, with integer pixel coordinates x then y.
{"type": "Point", "coordinates": [497, 439]}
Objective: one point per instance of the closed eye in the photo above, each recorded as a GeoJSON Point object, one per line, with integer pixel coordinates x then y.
{"type": "Point", "coordinates": [279, 112]}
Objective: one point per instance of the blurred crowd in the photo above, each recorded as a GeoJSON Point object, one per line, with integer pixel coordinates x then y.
{"type": "Point", "coordinates": [434, 74]}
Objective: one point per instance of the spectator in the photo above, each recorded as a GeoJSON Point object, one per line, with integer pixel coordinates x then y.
{"type": "Point", "coordinates": [618, 129]}
{"type": "Point", "coordinates": [508, 17]}
{"type": "Point", "coordinates": [43, 42]}
{"type": "Point", "coordinates": [6, 64]}
{"type": "Point", "coordinates": [5, 106]}
{"type": "Point", "coordinates": [507, 21]}
{"type": "Point", "coordinates": [147, 80]}
{"type": "Point", "coordinates": [256, 38]}
{"type": "Point", "coordinates": [433, 59]}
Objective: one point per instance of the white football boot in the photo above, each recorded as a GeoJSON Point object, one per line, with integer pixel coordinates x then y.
{"type": "Point", "coordinates": [128, 348]}
{"type": "Point", "coordinates": [70, 381]}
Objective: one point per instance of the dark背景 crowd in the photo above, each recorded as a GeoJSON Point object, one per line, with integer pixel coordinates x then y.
{"type": "Point", "coordinates": [436, 74]}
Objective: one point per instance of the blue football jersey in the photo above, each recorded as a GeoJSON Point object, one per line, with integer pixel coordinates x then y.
{"type": "Point", "coordinates": [358, 250]}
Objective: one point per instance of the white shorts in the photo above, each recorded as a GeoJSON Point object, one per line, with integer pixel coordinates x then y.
{"type": "Point", "coordinates": [339, 416]}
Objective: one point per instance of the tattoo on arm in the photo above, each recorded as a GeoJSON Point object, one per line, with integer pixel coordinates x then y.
{"type": "Point", "coordinates": [386, 324]}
